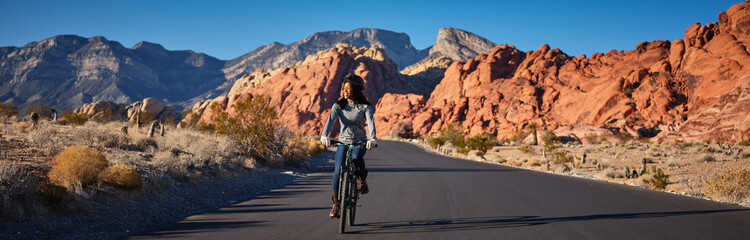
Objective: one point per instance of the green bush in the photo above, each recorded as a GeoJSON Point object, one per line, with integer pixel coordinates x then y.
{"type": "Point", "coordinates": [657, 179]}
{"type": "Point", "coordinates": [453, 134]}
{"type": "Point", "coordinates": [251, 126]}
{"type": "Point", "coordinates": [8, 110]}
{"type": "Point", "coordinates": [481, 142]}
{"type": "Point", "coordinates": [561, 157]}
{"type": "Point", "coordinates": [436, 140]}
{"type": "Point", "coordinates": [41, 109]}
{"type": "Point", "coordinates": [75, 119]}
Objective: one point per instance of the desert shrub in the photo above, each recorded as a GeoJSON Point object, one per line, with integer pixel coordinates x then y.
{"type": "Point", "coordinates": [41, 109]}
{"type": "Point", "coordinates": [294, 149]}
{"type": "Point", "coordinates": [145, 142]}
{"type": "Point", "coordinates": [49, 138]}
{"type": "Point", "coordinates": [592, 138]}
{"type": "Point", "coordinates": [146, 117]}
{"type": "Point", "coordinates": [436, 140]}
{"type": "Point", "coordinates": [706, 157]}
{"type": "Point", "coordinates": [102, 116]}
{"type": "Point", "coordinates": [657, 179]}
{"type": "Point", "coordinates": [745, 142]}
{"type": "Point", "coordinates": [190, 119]}
{"type": "Point", "coordinates": [251, 126]}
{"type": "Point", "coordinates": [206, 127]}
{"type": "Point", "coordinates": [731, 184]}
{"type": "Point", "coordinates": [8, 110]}
{"type": "Point", "coordinates": [560, 157]}
{"type": "Point", "coordinates": [525, 148]}
{"type": "Point", "coordinates": [18, 182]}
{"type": "Point", "coordinates": [532, 163]}
{"type": "Point", "coordinates": [623, 137]}
{"type": "Point", "coordinates": [23, 127]}
{"type": "Point", "coordinates": [52, 193]}
{"type": "Point", "coordinates": [453, 134]}
{"type": "Point", "coordinates": [404, 130]}
{"type": "Point", "coordinates": [75, 119]}
{"type": "Point", "coordinates": [550, 141]}
{"type": "Point", "coordinates": [77, 164]}
{"type": "Point", "coordinates": [481, 142]}
{"type": "Point", "coordinates": [121, 176]}
{"type": "Point", "coordinates": [613, 173]}
{"type": "Point", "coordinates": [517, 136]}
{"type": "Point", "coordinates": [314, 147]}
{"type": "Point", "coordinates": [97, 135]}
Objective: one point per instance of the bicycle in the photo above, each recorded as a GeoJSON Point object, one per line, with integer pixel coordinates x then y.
{"type": "Point", "coordinates": [348, 191]}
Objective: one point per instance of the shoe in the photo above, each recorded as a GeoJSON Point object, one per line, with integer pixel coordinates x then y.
{"type": "Point", "coordinates": [363, 188]}
{"type": "Point", "coordinates": [334, 211]}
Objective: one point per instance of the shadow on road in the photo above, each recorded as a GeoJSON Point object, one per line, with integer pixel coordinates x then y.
{"type": "Point", "coordinates": [198, 226]}
{"type": "Point", "coordinates": [479, 223]}
{"type": "Point", "coordinates": [429, 169]}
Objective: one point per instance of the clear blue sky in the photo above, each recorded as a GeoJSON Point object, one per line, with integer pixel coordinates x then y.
{"type": "Point", "coordinates": [228, 29]}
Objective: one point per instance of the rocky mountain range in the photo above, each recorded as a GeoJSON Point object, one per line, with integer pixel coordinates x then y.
{"type": "Point", "coordinates": [692, 88]}
{"type": "Point", "coordinates": [67, 71]}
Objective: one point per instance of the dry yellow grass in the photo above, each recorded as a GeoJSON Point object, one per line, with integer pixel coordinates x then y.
{"type": "Point", "coordinates": [121, 176]}
{"type": "Point", "coordinates": [77, 164]}
{"type": "Point", "coordinates": [731, 184]}
{"type": "Point", "coordinates": [314, 147]}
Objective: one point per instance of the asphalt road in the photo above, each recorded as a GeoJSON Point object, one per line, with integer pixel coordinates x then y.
{"type": "Point", "coordinates": [418, 195]}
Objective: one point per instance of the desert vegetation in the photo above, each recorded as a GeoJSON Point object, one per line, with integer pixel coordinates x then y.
{"type": "Point", "coordinates": [453, 137]}
{"type": "Point", "coordinates": [74, 166]}
{"type": "Point", "coordinates": [716, 170]}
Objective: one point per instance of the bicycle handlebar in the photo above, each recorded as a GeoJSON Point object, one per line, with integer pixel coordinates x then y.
{"type": "Point", "coordinates": [361, 144]}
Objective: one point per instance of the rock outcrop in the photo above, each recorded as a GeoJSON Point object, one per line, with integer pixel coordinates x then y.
{"type": "Point", "coordinates": [276, 55]}
{"type": "Point", "coordinates": [149, 109]}
{"type": "Point", "coordinates": [458, 45]}
{"type": "Point", "coordinates": [692, 85]}
{"type": "Point", "coordinates": [303, 93]}
{"type": "Point", "coordinates": [697, 87]}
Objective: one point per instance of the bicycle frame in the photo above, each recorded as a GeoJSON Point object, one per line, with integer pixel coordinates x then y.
{"type": "Point", "coordinates": [348, 191]}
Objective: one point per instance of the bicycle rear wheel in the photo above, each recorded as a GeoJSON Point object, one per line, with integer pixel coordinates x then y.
{"type": "Point", "coordinates": [343, 201]}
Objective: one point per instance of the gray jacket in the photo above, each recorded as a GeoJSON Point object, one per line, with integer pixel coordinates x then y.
{"type": "Point", "coordinates": [352, 121]}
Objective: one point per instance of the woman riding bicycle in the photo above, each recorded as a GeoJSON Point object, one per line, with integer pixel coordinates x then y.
{"type": "Point", "coordinates": [352, 110]}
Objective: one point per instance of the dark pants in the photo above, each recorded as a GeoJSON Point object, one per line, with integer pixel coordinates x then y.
{"type": "Point", "coordinates": [359, 163]}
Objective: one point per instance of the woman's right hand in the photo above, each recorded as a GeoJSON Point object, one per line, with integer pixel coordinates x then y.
{"type": "Point", "coordinates": [325, 141]}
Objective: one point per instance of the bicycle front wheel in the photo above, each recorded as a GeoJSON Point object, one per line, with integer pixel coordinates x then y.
{"type": "Point", "coordinates": [353, 195]}
{"type": "Point", "coordinates": [344, 201]}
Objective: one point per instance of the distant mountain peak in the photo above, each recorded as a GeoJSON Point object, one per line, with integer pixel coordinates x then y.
{"type": "Point", "coordinates": [459, 44]}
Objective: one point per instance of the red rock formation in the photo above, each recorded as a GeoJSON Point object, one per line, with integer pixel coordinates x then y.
{"type": "Point", "coordinates": [687, 88]}
{"type": "Point", "coordinates": [303, 94]}
{"type": "Point", "coordinates": [108, 110]}
{"type": "Point", "coordinates": [656, 84]}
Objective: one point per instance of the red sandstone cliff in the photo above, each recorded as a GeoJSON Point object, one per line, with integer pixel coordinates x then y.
{"type": "Point", "coordinates": [692, 85]}
{"type": "Point", "coordinates": [686, 88]}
